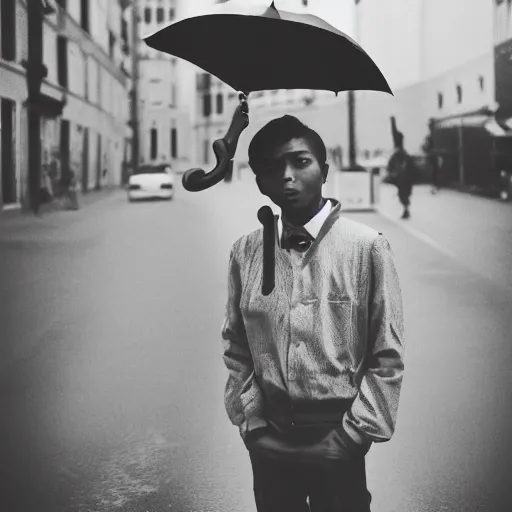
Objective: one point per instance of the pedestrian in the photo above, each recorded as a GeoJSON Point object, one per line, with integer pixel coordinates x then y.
{"type": "Point", "coordinates": [315, 368]}
{"type": "Point", "coordinates": [72, 192]}
{"type": "Point", "coordinates": [401, 168]}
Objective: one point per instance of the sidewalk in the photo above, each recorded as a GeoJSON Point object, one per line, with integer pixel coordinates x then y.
{"type": "Point", "coordinates": [18, 221]}
{"type": "Point", "coordinates": [477, 231]}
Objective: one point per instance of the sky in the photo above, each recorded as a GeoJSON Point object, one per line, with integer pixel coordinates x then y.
{"type": "Point", "coordinates": [336, 12]}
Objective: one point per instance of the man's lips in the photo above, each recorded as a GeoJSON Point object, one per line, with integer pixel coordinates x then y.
{"type": "Point", "coordinates": [290, 192]}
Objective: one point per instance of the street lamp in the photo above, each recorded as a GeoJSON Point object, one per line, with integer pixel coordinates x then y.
{"type": "Point", "coordinates": [352, 143]}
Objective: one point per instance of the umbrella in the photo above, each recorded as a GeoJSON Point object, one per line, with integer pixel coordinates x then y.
{"type": "Point", "coordinates": [259, 47]}
{"type": "Point", "coordinates": [255, 48]}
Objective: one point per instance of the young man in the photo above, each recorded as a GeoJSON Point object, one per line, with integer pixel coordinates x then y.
{"type": "Point", "coordinates": [315, 368]}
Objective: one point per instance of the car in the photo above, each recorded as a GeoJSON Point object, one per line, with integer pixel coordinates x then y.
{"type": "Point", "coordinates": [151, 181]}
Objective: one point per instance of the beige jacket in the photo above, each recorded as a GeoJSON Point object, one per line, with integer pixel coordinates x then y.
{"type": "Point", "coordinates": [332, 328]}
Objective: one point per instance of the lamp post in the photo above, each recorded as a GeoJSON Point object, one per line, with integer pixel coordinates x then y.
{"type": "Point", "coordinates": [352, 142]}
{"type": "Point", "coordinates": [36, 71]}
{"type": "Point", "coordinates": [135, 86]}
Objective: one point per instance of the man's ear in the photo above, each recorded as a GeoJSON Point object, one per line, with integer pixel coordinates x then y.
{"type": "Point", "coordinates": [325, 172]}
{"type": "Point", "coordinates": [260, 186]}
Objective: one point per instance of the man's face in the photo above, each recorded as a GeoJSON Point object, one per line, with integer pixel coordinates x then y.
{"type": "Point", "coordinates": [291, 176]}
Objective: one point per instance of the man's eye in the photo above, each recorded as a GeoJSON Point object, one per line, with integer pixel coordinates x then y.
{"type": "Point", "coordinates": [304, 161]}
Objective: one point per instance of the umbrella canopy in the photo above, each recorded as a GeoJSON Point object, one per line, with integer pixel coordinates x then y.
{"type": "Point", "coordinates": [256, 48]}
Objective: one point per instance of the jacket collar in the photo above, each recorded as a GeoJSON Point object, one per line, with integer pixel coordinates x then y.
{"type": "Point", "coordinates": [314, 226]}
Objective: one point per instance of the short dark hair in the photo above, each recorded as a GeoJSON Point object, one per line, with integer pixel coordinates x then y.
{"type": "Point", "coordinates": [278, 132]}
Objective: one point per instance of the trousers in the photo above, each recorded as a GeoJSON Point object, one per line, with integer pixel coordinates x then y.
{"type": "Point", "coordinates": [327, 485]}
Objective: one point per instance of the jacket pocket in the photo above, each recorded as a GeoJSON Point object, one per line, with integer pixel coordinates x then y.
{"type": "Point", "coordinates": [247, 392]}
{"type": "Point", "coordinates": [343, 319]}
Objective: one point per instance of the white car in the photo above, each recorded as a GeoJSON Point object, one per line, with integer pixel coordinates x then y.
{"type": "Point", "coordinates": [151, 182]}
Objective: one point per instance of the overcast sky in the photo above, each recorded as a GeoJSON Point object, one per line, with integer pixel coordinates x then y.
{"type": "Point", "coordinates": [336, 12]}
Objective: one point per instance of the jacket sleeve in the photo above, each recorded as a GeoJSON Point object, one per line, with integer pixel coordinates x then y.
{"type": "Point", "coordinates": [242, 397]}
{"type": "Point", "coordinates": [373, 414]}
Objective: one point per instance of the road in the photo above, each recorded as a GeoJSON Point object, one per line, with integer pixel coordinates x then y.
{"type": "Point", "coordinates": [112, 377]}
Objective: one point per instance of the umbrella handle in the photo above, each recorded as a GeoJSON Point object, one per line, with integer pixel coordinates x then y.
{"type": "Point", "coordinates": [266, 217]}
{"type": "Point", "coordinates": [195, 180]}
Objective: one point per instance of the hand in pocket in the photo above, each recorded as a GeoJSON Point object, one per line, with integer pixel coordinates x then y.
{"type": "Point", "coordinates": [348, 449]}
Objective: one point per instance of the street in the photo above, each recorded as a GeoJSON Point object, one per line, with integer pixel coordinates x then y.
{"type": "Point", "coordinates": [111, 366]}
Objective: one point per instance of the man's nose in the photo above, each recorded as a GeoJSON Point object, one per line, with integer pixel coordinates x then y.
{"type": "Point", "coordinates": [288, 174]}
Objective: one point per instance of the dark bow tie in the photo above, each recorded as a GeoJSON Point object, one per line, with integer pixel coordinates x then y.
{"type": "Point", "coordinates": [296, 238]}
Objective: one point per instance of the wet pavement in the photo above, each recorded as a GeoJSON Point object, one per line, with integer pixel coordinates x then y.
{"type": "Point", "coordinates": [112, 377]}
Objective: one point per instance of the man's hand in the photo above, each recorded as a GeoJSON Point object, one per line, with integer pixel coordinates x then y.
{"type": "Point", "coordinates": [349, 449]}
{"type": "Point", "coordinates": [252, 437]}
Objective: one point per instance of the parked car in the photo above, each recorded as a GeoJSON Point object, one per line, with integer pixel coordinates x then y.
{"type": "Point", "coordinates": [151, 182]}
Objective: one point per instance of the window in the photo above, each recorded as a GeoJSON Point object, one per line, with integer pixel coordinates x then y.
{"type": "Point", "coordinates": [84, 15]}
{"type": "Point", "coordinates": [154, 143]}
{"type": "Point", "coordinates": [86, 76]}
{"type": "Point", "coordinates": [8, 154]}
{"type": "Point", "coordinates": [62, 61]}
{"type": "Point", "coordinates": [111, 44]}
{"type": "Point", "coordinates": [459, 93]}
{"type": "Point", "coordinates": [207, 105]}
{"type": "Point", "coordinates": [174, 143]}
{"type": "Point", "coordinates": [160, 15]}
{"type": "Point", "coordinates": [481, 81]}
{"type": "Point", "coordinates": [172, 14]}
{"type": "Point", "coordinates": [206, 151]}
{"type": "Point", "coordinates": [8, 29]}
{"type": "Point", "coordinates": [147, 15]}
{"type": "Point", "coordinates": [124, 31]}
{"type": "Point", "coordinates": [220, 103]}
{"type": "Point", "coordinates": [439, 100]}
{"type": "Point", "coordinates": [173, 95]}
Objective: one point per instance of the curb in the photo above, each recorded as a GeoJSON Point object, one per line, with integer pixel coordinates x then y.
{"type": "Point", "coordinates": [24, 217]}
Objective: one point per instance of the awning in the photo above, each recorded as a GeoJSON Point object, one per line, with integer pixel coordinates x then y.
{"type": "Point", "coordinates": [475, 121]}
{"type": "Point", "coordinates": [489, 121]}
{"type": "Point", "coordinates": [497, 129]}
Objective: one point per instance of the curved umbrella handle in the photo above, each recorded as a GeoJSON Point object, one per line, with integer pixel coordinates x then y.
{"type": "Point", "coordinates": [267, 219]}
{"type": "Point", "coordinates": [196, 180]}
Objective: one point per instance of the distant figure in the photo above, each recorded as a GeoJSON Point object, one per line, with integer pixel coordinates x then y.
{"type": "Point", "coordinates": [401, 170]}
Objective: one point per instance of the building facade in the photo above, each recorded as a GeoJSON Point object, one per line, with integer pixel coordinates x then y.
{"type": "Point", "coordinates": [85, 97]}
{"type": "Point", "coordinates": [438, 57]}
{"type": "Point", "coordinates": [164, 116]}
{"type": "Point", "coordinates": [13, 92]}
{"type": "Point", "coordinates": [503, 56]}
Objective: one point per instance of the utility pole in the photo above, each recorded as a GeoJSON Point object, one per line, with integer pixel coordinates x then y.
{"type": "Point", "coordinates": [351, 130]}
{"type": "Point", "coordinates": [352, 143]}
{"type": "Point", "coordinates": [135, 86]}
{"type": "Point", "coordinates": [36, 72]}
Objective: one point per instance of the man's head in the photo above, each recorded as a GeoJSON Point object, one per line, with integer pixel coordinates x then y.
{"type": "Point", "coordinates": [289, 161]}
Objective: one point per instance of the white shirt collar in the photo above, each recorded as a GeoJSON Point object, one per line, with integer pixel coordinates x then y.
{"type": "Point", "coordinates": [314, 226]}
